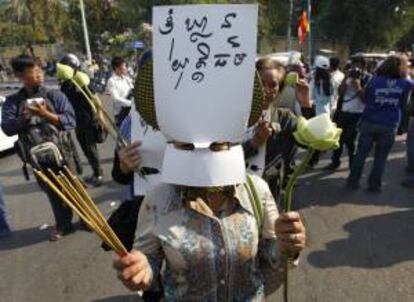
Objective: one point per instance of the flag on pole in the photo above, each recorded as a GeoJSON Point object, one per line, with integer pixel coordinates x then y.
{"type": "Point", "coordinates": [304, 27]}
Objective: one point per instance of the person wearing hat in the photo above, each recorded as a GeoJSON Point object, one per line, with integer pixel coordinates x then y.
{"type": "Point", "coordinates": [201, 222]}
{"type": "Point", "coordinates": [90, 128]}
{"type": "Point", "coordinates": [322, 87]}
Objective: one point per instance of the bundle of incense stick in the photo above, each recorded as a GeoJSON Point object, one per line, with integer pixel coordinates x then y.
{"type": "Point", "coordinates": [70, 189]}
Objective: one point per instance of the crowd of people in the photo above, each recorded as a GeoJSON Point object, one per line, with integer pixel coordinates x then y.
{"type": "Point", "coordinates": [194, 242]}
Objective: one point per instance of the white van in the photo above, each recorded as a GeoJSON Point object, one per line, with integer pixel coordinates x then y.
{"type": "Point", "coordinates": [6, 142]}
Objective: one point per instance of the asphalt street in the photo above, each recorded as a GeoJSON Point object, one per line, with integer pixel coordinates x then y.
{"type": "Point", "coordinates": [361, 245]}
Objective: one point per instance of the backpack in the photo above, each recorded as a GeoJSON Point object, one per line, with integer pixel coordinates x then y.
{"type": "Point", "coordinates": [41, 144]}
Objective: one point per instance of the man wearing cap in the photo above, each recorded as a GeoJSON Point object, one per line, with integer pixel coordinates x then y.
{"type": "Point", "coordinates": [322, 86]}
{"type": "Point", "coordinates": [90, 127]}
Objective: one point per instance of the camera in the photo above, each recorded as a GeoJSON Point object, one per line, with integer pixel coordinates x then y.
{"type": "Point", "coordinates": [355, 73]}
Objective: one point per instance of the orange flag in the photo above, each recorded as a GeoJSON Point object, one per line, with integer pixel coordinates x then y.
{"type": "Point", "coordinates": [304, 27]}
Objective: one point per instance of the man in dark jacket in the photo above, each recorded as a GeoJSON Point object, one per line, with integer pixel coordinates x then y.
{"type": "Point", "coordinates": [88, 126]}
{"type": "Point", "coordinates": [18, 114]}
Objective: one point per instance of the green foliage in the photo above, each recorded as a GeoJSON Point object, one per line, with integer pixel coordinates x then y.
{"type": "Point", "coordinates": [362, 25]}
{"type": "Point", "coordinates": [365, 25]}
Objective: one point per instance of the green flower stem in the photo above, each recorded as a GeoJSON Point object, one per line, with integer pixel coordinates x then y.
{"type": "Point", "coordinates": [97, 103]}
{"type": "Point", "coordinates": [294, 178]}
{"type": "Point", "coordinates": [288, 207]}
{"type": "Point", "coordinates": [84, 94]}
{"type": "Point", "coordinates": [113, 130]}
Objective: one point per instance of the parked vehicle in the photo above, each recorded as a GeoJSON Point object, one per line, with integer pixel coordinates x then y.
{"type": "Point", "coordinates": [6, 142]}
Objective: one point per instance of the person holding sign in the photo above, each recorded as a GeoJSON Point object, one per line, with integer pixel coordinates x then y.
{"type": "Point", "coordinates": [144, 152]}
{"type": "Point", "coordinates": [216, 229]}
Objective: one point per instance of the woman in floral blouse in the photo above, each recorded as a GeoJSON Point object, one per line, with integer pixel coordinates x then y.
{"type": "Point", "coordinates": [210, 242]}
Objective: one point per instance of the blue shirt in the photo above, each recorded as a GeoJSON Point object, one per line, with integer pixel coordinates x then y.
{"type": "Point", "coordinates": [385, 100]}
{"type": "Point", "coordinates": [12, 122]}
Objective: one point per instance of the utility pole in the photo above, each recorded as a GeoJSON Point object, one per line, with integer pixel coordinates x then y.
{"type": "Point", "coordinates": [289, 30]}
{"type": "Point", "coordinates": [85, 32]}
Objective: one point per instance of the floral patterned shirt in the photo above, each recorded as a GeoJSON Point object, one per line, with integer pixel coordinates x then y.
{"type": "Point", "coordinates": [209, 257]}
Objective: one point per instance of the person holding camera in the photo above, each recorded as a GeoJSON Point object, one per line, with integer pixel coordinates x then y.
{"type": "Point", "coordinates": [41, 118]}
{"type": "Point", "coordinates": [349, 110]}
{"type": "Point", "coordinates": [386, 96]}
{"type": "Point", "coordinates": [120, 87]}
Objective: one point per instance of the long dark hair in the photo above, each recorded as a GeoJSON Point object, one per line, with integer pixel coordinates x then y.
{"type": "Point", "coordinates": [391, 67]}
{"type": "Point", "coordinates": [323, 78]}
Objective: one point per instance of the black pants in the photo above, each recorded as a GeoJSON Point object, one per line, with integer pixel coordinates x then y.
{"type": "Point", "coordinates": [89, 147]}
{"type": "Point", "coordinates": [348, 122]}
{"type": "Point", "coordinates": [77, 164]}
{"type": "Point", "coordinates": [62, 213]}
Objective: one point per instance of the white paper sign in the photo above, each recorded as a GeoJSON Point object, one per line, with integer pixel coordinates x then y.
{"type": "Point", "coordinates": [152, 150]}
{"type": "Point", "coordinates": [204, 65]}
{"type": "Point", "coordinates": [153, 142]}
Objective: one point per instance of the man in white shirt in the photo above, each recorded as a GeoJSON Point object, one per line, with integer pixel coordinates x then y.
{"type": "Point", "coordinates": [120, 87]}
{"type": "Point", "coordinates": [337, 79]}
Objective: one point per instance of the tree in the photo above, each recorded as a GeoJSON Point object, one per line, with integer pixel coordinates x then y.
{"type": "Point", "coordinates": [364, 25]}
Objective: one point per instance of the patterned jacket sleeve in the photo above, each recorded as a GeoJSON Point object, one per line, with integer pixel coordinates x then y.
{"type": "Point", "coordinates": [268, 251]}
{"type": "Point", "coordinates": [146, 241]}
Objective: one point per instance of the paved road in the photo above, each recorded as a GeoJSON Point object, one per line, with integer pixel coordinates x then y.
{"type": "Point", "coordinates": [361, 245]}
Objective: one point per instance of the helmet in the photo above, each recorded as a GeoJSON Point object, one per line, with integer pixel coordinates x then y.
{"type": "Point", "coordinates": [71, 60]}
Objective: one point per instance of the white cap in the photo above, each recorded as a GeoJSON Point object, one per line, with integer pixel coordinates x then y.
{"type": "Point", "coordinates": [322, 62]}
{"type": "Point", "coordinates": [294, 58]}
